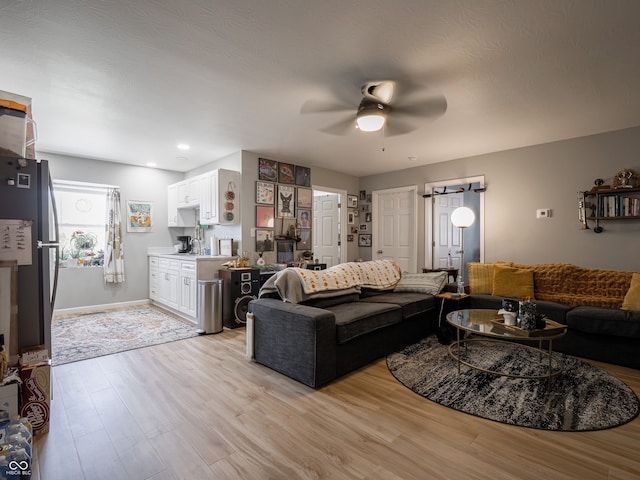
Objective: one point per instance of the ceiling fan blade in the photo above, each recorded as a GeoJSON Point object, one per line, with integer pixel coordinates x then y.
{"type": "Point", "coordinates": [316, 106]}
{"type": "Point", "coordinates": [395, 127]}
{"type": "Point", "coordinates": [343, 127]}
{"type": "Point", "coordinates": [433, 107]}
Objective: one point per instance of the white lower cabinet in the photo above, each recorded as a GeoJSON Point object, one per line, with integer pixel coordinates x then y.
{"type": "Point", "coordinates": [173, 281]}
{"type": "Point", "coordinates": [168, 274]}
{"type": "Point", "coordinates": [188, 289]}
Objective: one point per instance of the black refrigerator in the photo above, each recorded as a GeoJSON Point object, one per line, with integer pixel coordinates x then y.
{"type": "Point", "coordinates": [29, 234]}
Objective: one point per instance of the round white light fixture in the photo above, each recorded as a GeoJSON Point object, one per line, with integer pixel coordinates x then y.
{"type": "Point", "coordinates": [152, 164]}
{"type": "Point", "coordinates": [183, 146]}
{"type": "Point", "coordinates": [371, 117]}
{"type": "Point", "coordinates": [463, 217]}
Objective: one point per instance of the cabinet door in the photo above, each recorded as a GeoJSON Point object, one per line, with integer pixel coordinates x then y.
{"type": "Point", "coordinates": [172, 205]}
{"type": "Point", "coordinates": [214, 197]}
{"type": "Point", "coordinates": [153, 278]}
{"type": "Point", "coordinates": [205, 199]}
{"type": "Point", "coordinates": [188, 288]}
{"type": "Point", "coordinates": [173, 289]}
{"type": "Point", "coordinates": [193, 191]}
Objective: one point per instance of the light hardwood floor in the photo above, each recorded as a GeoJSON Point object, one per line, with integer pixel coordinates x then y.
{"type": "Point", "coordinates": [197, 409]}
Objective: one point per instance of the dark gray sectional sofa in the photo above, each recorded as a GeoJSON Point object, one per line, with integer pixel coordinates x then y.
{"type": "Point", "coordinates": [323, 339]}
{"type": "Point", "coordinates": [605, 334]}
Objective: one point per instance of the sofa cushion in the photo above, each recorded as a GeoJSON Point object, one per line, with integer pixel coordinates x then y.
{"type": "Point", "coordinates": [331, 301]}
{"type": "Point", "coordinates": [605, 321]}
{"type": "Point", "coordinates": [553, 310]}
{"type": "Point", "coordinates": [428, 283]}
{"type": "Point", "coordinates": [512, 282]}
{"type": "Point", "coordinates": [411, 303]}
{"type": "Point", "coordinates": [359, 318]}
{"type": "Point", "coordinates": [632, 298]}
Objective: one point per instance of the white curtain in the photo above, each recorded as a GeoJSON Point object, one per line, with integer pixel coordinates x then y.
{"type": "Point", "coordinates": [114, 248]}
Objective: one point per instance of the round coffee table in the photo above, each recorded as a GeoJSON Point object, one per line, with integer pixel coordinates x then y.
{"type": "Point", "coordinates": [487, 326]}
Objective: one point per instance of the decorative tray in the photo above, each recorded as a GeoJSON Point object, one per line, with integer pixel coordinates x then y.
{"type": "Point", "coordinates": [551, 328]}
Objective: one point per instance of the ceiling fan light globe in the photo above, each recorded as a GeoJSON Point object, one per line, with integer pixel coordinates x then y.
{"type": "Point", "coordinates": [371, 123]}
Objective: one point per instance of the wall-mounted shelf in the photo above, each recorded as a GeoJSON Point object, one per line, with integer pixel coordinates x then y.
{"type": "Point", "coordinates": [606, 204]}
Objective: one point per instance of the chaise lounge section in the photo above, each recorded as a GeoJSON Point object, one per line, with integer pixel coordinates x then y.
{"type": "Point", "coordinates": [325, 336]}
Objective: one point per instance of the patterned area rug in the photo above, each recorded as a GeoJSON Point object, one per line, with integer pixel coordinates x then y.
{"type": "Point", "coordinates": [97, 334]}
{"type": "Point", "coordinates": [581, 398]}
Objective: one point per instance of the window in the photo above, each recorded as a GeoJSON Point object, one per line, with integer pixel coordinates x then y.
{"type": "Point", "coordinates": [82, 222]}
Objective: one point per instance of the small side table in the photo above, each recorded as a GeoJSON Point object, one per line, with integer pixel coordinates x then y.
{"type": "Point", "coordinates": [457, 298]}
{"type": "Point", "coordinates": [451, 272]}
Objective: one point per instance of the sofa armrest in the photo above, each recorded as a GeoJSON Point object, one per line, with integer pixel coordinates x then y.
{"type": "Point", "coordinates": [296, 340]}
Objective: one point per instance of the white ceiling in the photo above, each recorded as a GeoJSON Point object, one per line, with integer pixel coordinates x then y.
{"type": "Point", "coordinates": [125, 81]}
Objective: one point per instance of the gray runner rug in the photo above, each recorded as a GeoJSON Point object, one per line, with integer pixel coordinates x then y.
{"type": "Point", "coordinates": [581, 398]}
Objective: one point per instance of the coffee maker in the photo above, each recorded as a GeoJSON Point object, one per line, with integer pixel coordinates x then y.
{"type": "Point", "coordinates": [185, 243]}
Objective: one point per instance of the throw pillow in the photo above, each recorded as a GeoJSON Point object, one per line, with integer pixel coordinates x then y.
{"type": "Point", "coordinates": [480, 278]}
{"type": "Point", "coordinates": [512, 282]}
{"type": "Point", "coordinates": [429, 283]}
{"type": "Point", "coordinates": [632, 298]}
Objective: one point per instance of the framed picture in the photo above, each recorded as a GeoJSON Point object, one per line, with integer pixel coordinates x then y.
{"type": "Point", "coordinates": [363, 195]}
{"type": "Point", "coordinates": [354, 230]}
{"type": "Point", "coordinates": [139, 216]}
{"type": "Point", "coordinates": [349, 238]}
{"type": "Point", "coordinates": [363, 227]}
{"type": "Point", "coordinates": [304, 197]}
{"type": "Point", "coordinates": [305, 240]}
{"type": "Point", "coordinates": [364, 240]}
{"type": "Point", "coordinates": [264, 240]}
{"type": "Point", "coordinates": [356, 213]}
{"type": "Point", "coordinates": [267, 170]}
{"type": "Point", "coordinates": [352, 201]}
{"type": "Point", "coordinates": [265, 216]}
{"type": "Point", "coordinates": [367, 217]}
{"type": "Point", "coordinates": [225, 247]}
{"type": "Point", "coordinates": [304, 217]}
{"type": "Point", "coordinates": [351, 218]}
{"type": "Point", "coordinates": [265, 192]}
{"type": "Point", "coordinates": [286, 201]}
{"type": "Point", "coordinates": [369, 197]}
{"type": "Point", "coordinates": [364, 208]}
{"type": "Point", "coordinates": [286, 173]}
{"type": "Point", "coordinates": [303, 176]}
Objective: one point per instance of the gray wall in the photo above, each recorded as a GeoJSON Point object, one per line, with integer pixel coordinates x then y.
{"type": "Point", "coordinates": [80, 287]}
{"type": "Point", "coordinates": [542, 176]}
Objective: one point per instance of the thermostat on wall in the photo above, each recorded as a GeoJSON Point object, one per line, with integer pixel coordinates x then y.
{"type": "Point", "coordinates": [543, 213]}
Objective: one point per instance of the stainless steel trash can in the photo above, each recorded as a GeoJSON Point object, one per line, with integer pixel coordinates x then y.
{"type": "Point", "coordinates": [210, 306]}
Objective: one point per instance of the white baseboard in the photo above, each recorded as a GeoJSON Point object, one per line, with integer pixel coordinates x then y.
{"type": "Point", "coordinates": [100, 308]}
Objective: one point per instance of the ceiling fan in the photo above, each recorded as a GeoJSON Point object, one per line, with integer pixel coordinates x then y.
{"type": "Point", "coordinates": [379, 109]}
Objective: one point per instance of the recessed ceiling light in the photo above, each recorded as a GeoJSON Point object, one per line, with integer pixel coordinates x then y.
{"type": "Point", "coordinates": [183, 146]}
{"type": "Point", "coordinates": [152, 164]}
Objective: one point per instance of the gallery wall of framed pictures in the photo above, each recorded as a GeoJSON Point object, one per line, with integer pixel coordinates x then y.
{"type": "Point", "coordinates": [359, 218]}
{"type": "Point", "coordinates": [283, 195]}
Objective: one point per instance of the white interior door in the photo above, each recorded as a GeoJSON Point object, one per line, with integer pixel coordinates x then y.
{"type": "Point", "coordinates": [326, 228]}
{"type": "Point", "coordinates": [394, 226]}
{"type": "Point", "coordinates": [446, 237]}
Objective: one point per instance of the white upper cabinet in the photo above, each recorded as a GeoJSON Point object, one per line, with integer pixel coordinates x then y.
{"type": "Point", "coordinates": [220, 197]}
{"type": "Point", "coordinates": [189, 193]}
{"type": "Point", "coordinates": [178, 217]}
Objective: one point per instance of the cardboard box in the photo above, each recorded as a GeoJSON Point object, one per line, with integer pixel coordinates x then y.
{"type": "Point", "coordinates": [36, 395]}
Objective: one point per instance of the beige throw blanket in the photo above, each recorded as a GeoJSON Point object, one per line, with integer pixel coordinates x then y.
{"type": "Point", "coordinates": [296, 285]}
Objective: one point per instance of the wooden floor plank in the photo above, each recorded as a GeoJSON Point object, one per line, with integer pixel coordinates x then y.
{"type": "Point", "coordinates": [197, 408]}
